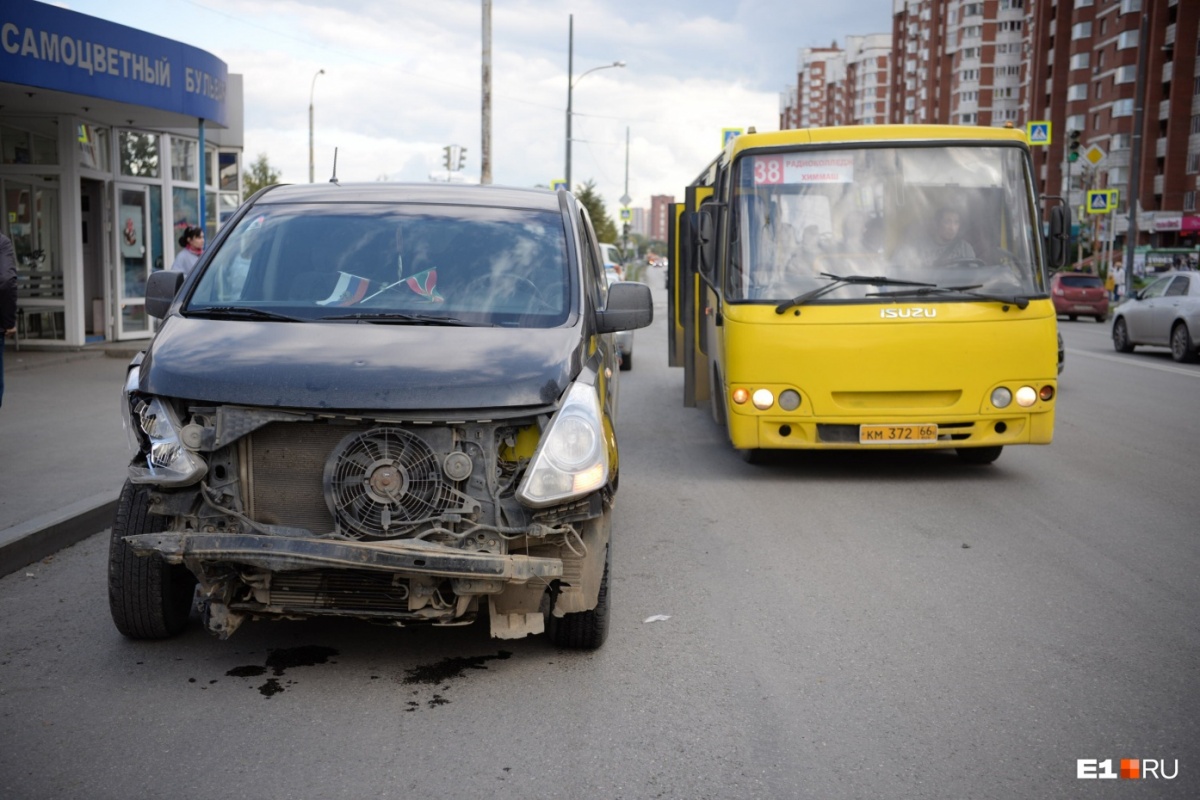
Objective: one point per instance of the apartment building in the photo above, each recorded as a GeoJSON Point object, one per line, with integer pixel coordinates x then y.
{"type": "Point", "coordinates": [837, 86]}
{"type": "Point", "coordinates": [660, 216]}
{"type": "Point", "coordinates": [1084, 77]}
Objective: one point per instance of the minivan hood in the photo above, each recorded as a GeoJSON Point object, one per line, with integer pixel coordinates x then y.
{"type": "Point", "coordinates": [359, 366]}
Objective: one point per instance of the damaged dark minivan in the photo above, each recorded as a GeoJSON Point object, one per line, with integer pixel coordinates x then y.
{"type": "Point", "coordinates": [387, 402]}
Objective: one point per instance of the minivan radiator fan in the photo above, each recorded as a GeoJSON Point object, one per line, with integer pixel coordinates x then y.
{"type": "Point", "coordinates": [383, 483]}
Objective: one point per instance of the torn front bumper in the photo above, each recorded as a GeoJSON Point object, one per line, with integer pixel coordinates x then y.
{"type": "Point", "coordinates": [284, 553]}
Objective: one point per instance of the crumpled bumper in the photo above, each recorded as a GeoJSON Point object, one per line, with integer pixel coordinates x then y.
{"type": "Point", "coordinates": [285, 553]}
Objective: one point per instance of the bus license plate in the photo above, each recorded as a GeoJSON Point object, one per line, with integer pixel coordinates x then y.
{"type": "Point", "coordinates": [897, 434]}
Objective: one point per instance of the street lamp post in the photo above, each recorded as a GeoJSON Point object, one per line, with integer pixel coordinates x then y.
{"type": "Point", "coordinates": [571, 81]}
{"type": "Point", "coordinates": [312, 89]}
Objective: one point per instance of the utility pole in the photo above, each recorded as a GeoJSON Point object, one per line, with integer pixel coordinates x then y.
{"type": "Point", "coordinates": [625, 199]}
{"type": "Point", "coordinates": [485, 149]}
{"type": "Point", "coordinates": [1135, 169]}
{"type": "Point", "coordinates": [570, 88]}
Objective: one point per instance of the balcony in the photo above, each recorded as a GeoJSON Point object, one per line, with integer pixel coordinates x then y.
{"type": "Point", "coordinates": [1117, 159]}
{"type": "Point", "coordinates": [1158, 184]}
{"type": "Point", "coordinates": [1170, 37]}
{"type": "Point", "coordinates": [1164, 109]}
{"type": "Point", "coordinates": [1160, 148]}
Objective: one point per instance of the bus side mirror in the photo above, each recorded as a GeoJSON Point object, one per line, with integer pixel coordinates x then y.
{"type": "Point", "coordinates": [1056, 242]}
{"type": "Point", "coordinates": [706, 238]}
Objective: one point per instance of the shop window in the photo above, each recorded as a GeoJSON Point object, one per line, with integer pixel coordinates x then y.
{"type": "Point", "coordinates": [32, 143]}
{"type": "Point", "coordinates": [183, 160]}
{"type": "Point", "coordinates": [229, 171]}
{"type": "Point", "coordinates": [186, 206]}
{"type": "Point", "coordinates": [93, 146]}
{"type": "Point", "coordinates": [139, 154]}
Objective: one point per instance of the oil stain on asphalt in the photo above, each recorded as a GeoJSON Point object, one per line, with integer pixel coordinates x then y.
{"type": "Point", "coordinates": [280, 660]}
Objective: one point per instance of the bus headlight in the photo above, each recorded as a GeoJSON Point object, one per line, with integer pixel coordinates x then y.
{"type": "Point", "coordinates": [789, 399]}
{"type": "Point", "coordinates": [762, 399]}
{"type": "Point", "coordinates": [1001, 397]}
{"type": "Point", "coordinates": [571, 459]}
{"type": "Point", "coordinates": [1026, 396]}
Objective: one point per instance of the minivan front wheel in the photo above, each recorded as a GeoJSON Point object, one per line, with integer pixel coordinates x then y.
{"type": "Point", "coordinates": [583, 630]}
{"type": "Point", "coordinates": [148, 598]}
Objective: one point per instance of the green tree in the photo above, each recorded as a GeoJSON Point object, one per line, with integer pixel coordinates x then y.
{"type": "Point", "coordinates": [606, 231]}
{"type": "Point", "coordinates": [259, 175]}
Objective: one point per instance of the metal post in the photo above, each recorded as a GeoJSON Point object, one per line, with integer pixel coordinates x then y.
{"type": "Point", "coordinates": [200, 213]}
{"type": "Point", "coordinates": [570, 87]}
{"type": "Point", "coordinates": [625, 222]}
{"type": "Point", "coordinates": [311, 90]}
{"type": "Point", "coordinates": [1135, 168]}
{"type": "Point", "coordinates": [485, 148]}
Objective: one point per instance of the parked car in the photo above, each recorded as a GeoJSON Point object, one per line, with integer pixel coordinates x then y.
{"type": "Point", "coordinates": [624, 339]}
{"type": "Point", "coordinates": [380, 401]}
{"type": "Point", "coordinates": [1165, 313]}
{"type": "Point", "coordinates": [1079, 294]}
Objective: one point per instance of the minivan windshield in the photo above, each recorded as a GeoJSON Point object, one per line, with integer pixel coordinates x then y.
{"type": "Point", "coordinates": [952, 218]}
{"type": "Point", "coordinates": [392, 264]}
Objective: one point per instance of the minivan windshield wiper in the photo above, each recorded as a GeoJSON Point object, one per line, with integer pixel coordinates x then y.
{"type": "Point", "coordinates": [1020, 301]}
{"type": "Point", "coordinates": [842, 280]}
{"type": "Point", "coordinates": [244, 312]}
{"type": "Point", "coordinates": [397, 318]}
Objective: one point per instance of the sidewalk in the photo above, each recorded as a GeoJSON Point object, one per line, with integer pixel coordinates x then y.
{"type": "Point", "coordinates": [63, 450]}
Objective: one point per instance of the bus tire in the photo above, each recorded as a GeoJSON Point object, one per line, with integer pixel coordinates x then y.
{"type": "Point", "coordinates": [751, 455]}
{"type": "Point", "coordinates": [979, 455]}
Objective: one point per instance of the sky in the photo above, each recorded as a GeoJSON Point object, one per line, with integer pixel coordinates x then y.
{"type": "Point", "coordinates": [403, 79]}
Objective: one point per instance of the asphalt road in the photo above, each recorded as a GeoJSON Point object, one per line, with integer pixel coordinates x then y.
{"type": "Point", "coordinates": [840, 626]}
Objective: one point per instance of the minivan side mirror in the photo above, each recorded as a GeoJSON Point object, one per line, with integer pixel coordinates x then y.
{"type": "Point", "coordinates": [161, 288]}
{"type": "Point", "coordinates": [629, 307]}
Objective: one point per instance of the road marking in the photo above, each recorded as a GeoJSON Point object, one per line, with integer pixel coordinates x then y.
{"type": "Point", "coordinates": [1191, 373]}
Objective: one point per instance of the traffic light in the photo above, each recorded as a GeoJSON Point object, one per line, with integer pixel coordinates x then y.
{"type": "Point", "coordinates": [446, 156]}
{"type": "Point", "coordinates": [462, 157]}
{"type": "Point", "coordinates": [1073, 147]}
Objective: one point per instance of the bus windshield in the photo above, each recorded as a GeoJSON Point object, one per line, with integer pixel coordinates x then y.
{"type": "Point", "coordinates": [954, 217]}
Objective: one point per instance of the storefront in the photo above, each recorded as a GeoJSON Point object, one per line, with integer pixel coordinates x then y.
{"type": "Point", "coordinates": [102, 127]}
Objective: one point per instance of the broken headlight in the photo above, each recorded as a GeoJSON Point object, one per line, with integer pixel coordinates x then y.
{"type": "Point", "coordinates": [168, 461]}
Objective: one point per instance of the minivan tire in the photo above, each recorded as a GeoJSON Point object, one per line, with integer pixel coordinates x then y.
{"type": "Point", "coordinates": [148, 598]}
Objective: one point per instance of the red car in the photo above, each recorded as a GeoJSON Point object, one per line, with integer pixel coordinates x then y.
{"type": "Point", "coordinates": [1079, 294]}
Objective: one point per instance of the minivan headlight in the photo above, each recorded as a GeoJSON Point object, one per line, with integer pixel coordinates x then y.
{"type": "Point", "coordinates": [168, 461]}
{"type": "Point", "coordinates": [571, 460]}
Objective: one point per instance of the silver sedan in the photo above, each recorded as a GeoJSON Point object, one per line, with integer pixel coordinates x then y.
{"type": "Point", "coordinates": [1166, 313]}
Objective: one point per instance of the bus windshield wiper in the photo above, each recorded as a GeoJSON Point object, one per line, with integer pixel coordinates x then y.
{"type": "Point", "coordinates": [842, 280]}
{"type": "Point", "coordinates": [397, 318]}
{"type": "Point", "coordinates": [247, 312]}
{"type": "Point", "coordinates": [1020, 301]}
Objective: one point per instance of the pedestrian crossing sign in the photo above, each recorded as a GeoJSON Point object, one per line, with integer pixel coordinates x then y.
{"type": "Point", "coordinates": [1101, 201]}
{"type": "Point", "coordinates": [558, 183]}
{"type": "Point", "coordinates": [1038, 132]}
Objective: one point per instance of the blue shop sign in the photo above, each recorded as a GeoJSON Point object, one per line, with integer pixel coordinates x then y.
{"type": "Point", "coordinates": [52, 48]}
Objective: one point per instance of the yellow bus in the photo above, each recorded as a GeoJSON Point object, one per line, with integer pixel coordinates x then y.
{"type": "Point", "coordinates": [867, 288]}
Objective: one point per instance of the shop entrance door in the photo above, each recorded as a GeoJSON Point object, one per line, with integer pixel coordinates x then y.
{"type": "Point", "coordinates": [133, 262]}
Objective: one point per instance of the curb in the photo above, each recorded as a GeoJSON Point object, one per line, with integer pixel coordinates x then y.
{"type": "Point", "coordinates": [33, 540]}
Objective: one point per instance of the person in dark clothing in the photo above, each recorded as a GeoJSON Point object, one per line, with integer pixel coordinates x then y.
{"type": "Point", "coordinates": [8, 298]}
